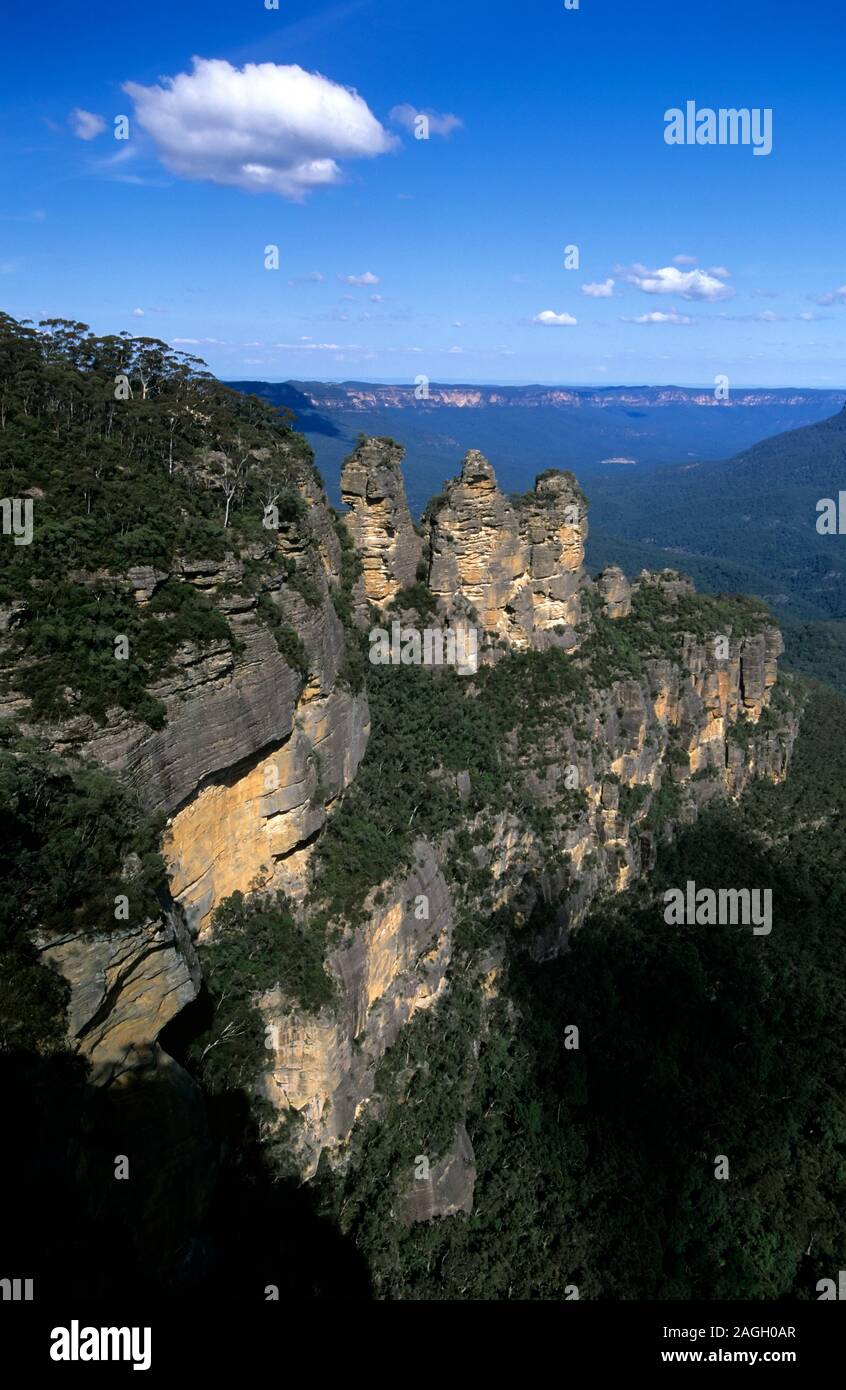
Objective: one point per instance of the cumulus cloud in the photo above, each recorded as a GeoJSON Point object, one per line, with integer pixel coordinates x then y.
{"type": "Point", "coordinates": [603, 290]}
{"type": "Point", "coordinates": [368, 278]}
{"type": "Point", "coordinates": [553, 320]}
{"type": "Point", "coordinates": [687, 284]}
{"type": "Point", "coordinates": [138, 313]}
{"type": "Point", "coordinates": [437, 123]}
{"type": "Point", "coordinates": [266, 128]}
{"type": "Point", "coordinates": [656, 317]}
{"type": "Point", "coordinates": [85, 124]}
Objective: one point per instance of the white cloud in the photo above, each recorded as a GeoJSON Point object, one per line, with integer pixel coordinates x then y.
{"type": "Point", "coordinates": [456, 349]}
{"type": "Point", "coordinates": [138, 313]}
{"type": "Point", "coordinates": [720, 272]}
{"type": "Point", "coordinates": [266, 128]}
{"type": "Point", "coordinates": [553, 320]}
{"type": "Point", "coordinates": [684, 260]}
{"type": "Point", "coordinates": [833, 297]}
{"type": "Point", "coordinates": [377, 299]}
{"type": "Point", "coordinates": [768, 316]}
{"type": "Point", "coordinates": [368, 278]}
{"type": "Point", "coordinates": [603, 290]}
{"type": "Point", "coordinates": [656, 317]}
{"type": "Point", "coordinates": [688, 284]}
{"type": "Point", "coordinates": [438, 123]}
{"type": "Point", "coordinates": [85, 124]}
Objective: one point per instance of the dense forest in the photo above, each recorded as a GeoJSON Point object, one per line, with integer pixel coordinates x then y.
{"type": "Point", "coordinates": [596, 1165]}
{"type": "Point", "coordinates": [747, 524]}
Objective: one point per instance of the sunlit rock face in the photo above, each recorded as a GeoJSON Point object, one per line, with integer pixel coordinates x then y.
{"type": "Point", "coordinates": [516, 564]}
{"type": "Point", "coordinates": [379, 522]}
{"type": "Point", "coordinates": [323, 1066]}
{"type": "Point", "coordinates": [257, 826]}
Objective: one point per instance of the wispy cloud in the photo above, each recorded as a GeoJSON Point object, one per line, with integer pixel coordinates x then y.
{"type": "Point", "coordinates": [832, 297]}
{"type": "Point", "coordinates": [436, 122]}
{"type": "Point", "coordinates": [86, 124]}
{"type": "Point", "coordinates": [672, 317]}
{"type": "Point", "coordinates": [37, 216]}
{"type": "Point", "coordinates": [368, 278]}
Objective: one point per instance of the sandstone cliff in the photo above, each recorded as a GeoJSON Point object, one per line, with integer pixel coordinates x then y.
{"type": "Point", "coordinates": [516, 567]}
{"type": "Point", "coordinates": [662, 703]}
{"type": "Point", "coordinates": [379, 522]}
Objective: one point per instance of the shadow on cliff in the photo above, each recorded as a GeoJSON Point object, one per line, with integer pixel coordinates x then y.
{"type": "Point", "coordinates": [199, 1215]}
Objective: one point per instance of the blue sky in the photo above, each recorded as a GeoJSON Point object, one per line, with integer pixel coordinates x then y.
{"type": "Point", "coordinates": [438, 256]}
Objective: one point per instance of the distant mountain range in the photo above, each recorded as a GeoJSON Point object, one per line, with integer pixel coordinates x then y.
{"type": "Point", "coordinates": [363, 395]}
{"type": "Point", "coordinates": [524, 429]}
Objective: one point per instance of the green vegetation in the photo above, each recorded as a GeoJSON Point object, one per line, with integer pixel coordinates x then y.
{"type": "Point", "coordinates": [596, 1166]}
{"type": "Point", "coordinates": [67, 831]}
{"type": "Point", "coordinates": [256, 943]}
{"type": "Point", "coordinates": [131, 456]}
{"type": "Point", "coordinates": [419, 597]}
{"type": "Point", "coordinates": [426, 726]}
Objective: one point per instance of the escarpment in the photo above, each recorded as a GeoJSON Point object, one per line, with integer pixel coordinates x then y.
{"type": "Point", "coordinates": [261, 729]}
{"type": "Point", "coordinates": [603, 715]}
{"type": "Point", "coordinates": [651, 702]}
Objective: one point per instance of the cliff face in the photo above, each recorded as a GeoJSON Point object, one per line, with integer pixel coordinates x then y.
{"type": "Point", "coordinates": [323, 1067]}
{"type": "Point", "coordinates": [516, 567]}
{"type": "Point", "coordinates": [257, 751]}
{"type": "Point", "coordinates": [628, 746]}
{"type": "Point", "coordinates": [259, 740]}
{"type": "Point", "coordinates": [379, 522]}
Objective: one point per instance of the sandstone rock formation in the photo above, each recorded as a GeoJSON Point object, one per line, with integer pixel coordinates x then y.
{"type": "Point", "coordinates": [517, 567]}
{"type": "Point", "coordinates": [379, 522]}
{"type": "Point", "coordinates": [616, 592]}
{"type": "Point", "coordinates": [124, 988]}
